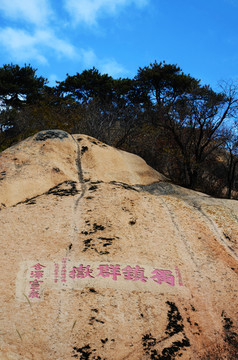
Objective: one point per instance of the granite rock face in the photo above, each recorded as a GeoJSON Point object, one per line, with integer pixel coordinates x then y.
{"type": "Point", "coordinates": [104, 258]}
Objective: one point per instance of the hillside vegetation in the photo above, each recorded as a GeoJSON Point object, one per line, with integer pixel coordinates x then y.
{"type": "Point", "coordinates": [181, 128]}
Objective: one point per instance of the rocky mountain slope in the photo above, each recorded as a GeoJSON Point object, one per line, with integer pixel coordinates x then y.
{"type": "Point", "coordinates": [102, 258]}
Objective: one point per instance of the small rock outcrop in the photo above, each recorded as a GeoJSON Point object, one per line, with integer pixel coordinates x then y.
{"type": "Point", "coordinates": [104, 258]}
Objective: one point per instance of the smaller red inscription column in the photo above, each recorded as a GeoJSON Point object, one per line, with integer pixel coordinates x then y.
{"type": "Point", "coordinates": [63, 270]}
{"type": "Point", "coordinates": [36, 274]}
{"type": "Point", "coordinates": [56, 272]}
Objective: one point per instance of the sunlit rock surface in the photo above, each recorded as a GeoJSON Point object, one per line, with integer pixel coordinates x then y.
{"type": "Point", "coordinates": [102, 257]}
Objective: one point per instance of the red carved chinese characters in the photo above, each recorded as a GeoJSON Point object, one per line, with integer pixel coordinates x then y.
{"type": "Point", "coordinates": [63, 270]}
{"type": "Point", "coordinates": [109, 270]}
{"type": "Point", "coordinates": [163, 276]}
{"type": "Point", "coordinates": [60, 273]}
{"type": "Point", "coordinates": [56, 272]}
{"type": "Point", "coordinates": [38, 271]}
{"type": "Point", "coordinates": [35, 288]}
{"type": "Point", "coordinates": [134, 273]}
{"type": "Point", "coordinates": [37, 274]}
{"type": "Point", "coordinates": [81, 272]}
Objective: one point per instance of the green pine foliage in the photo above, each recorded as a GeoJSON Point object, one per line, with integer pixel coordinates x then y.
{"type": "Point", "coordinates": [183, 129]}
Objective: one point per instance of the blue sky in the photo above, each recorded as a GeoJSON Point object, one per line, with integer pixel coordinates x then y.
{"type": "Point", "coordinates": [119, 36]}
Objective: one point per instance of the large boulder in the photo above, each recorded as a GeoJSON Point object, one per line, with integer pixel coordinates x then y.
{"type": "Point", "coordinates": [105, 258]}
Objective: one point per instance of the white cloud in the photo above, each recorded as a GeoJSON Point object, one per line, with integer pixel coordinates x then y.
{"type": "Point", "coordinates": [20, 45]}
{"type": "Point", "coordinates": [89, 58]}
{"type": "Point", "coordinates": [111, 67]}
{"type": "Point", "coordinates": [61, 47]}
{"type": "Point", "coordinates": [23, 46]}
{"type": "Point", "coordinates": [33, 11]}
{"type": "Point", "coordinates": [41, 40]}
{"type": "Point", "coordinates": [88, 11]}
